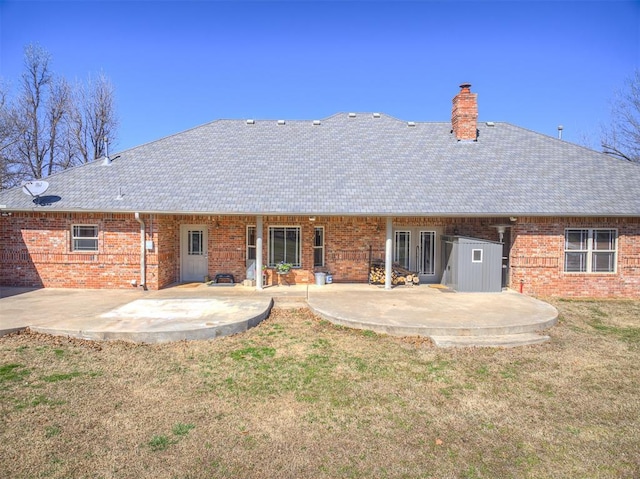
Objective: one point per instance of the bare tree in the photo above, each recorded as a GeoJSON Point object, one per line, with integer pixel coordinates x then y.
{"type": "Point", "coordinates": [8, 137]}
{"type": "Point", "coordinates": [94, 117]}
{"type": "Point", "coordinates": [58, 111]}
{"type": "Point", "coordinates": [31, 148]}
{"type": "Point", "coordinates": [622, 138]}
{"type": "Point", "coordinates": [44, 105]}
{"type": "Point", "coordinates": [51, 126]}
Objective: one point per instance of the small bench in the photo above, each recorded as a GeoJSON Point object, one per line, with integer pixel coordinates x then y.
{"type": "Point", "coordinates": [224, 276]}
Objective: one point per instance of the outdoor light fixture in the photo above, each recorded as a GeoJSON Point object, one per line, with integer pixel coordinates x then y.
{"type": "Point", "coordinates": [312, 218]}
{"type": "Point", "coordinates": [501, 231]}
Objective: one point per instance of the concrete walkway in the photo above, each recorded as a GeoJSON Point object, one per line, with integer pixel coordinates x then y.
{"type": "Point", "coordinates": [198, 311]}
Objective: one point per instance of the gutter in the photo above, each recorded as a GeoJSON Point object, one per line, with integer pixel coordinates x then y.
{"type": "Point", "coordinates": [494, 214]}
{"type": "Point", "coordinates": [143, 253]}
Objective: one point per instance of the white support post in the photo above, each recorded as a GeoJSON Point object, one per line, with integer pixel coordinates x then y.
{"type": "Point", "coordinates": [259, 227]}
{"type": "Point", "coordinates": [388, 254]}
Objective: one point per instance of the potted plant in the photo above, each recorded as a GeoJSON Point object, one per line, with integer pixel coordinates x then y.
{"type": "Point", "coordinates": [283, 268]}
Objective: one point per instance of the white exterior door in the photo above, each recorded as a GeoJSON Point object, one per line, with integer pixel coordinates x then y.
{"type": "Point", "coordinates": [194, 255]}
{"type": "Point", "coordinates": [418, 249]}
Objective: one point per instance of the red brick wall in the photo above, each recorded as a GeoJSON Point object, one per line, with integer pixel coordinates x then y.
{"type": "Point", "coordinates": [35, 250]}
{"type": "Point", "coordinates": [168, 247]}
{"type": "Point", "coordinates": [537, 259]}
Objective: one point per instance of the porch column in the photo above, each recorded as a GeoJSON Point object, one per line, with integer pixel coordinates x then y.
{"type": "Point", "coordinates": [388, 254]}
{"type": "Point", "coordinates": [259, 252]}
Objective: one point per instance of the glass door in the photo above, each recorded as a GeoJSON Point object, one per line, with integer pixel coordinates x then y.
{"type": "Point", "coordinates": [417, 250]}
{"type": "Point", "coordinates": [402, 249]}
{"type": "Point", "coordinates": [426, 253]}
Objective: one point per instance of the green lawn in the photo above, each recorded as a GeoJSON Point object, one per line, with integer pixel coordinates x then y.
{"type": "Point", "coordinates": [298, 397]}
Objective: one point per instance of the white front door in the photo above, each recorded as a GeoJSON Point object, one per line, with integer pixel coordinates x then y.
{"type": "Point", "coordinates": [416, 249]}
{"type": "Point", "coordinates": [194, 256]}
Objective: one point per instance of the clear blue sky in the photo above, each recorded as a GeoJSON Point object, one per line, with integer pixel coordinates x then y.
{"type": "Point", "coordinates": [176, 65]}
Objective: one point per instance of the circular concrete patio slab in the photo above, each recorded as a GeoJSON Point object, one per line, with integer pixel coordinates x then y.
{"type": "Point", "coordinates": [123, 315]}
{"type": "Point", "coordinates": [425, 311]}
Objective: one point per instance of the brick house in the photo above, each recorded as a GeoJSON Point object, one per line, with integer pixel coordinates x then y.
{"type": "Point", "coordinates": [332, 195]}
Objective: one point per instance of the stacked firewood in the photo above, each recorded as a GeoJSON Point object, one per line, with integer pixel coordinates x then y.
{"type": "Point", "coordinates": [399, 275]}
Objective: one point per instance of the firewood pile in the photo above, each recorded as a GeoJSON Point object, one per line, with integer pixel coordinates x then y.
{"type": "Point", "coordinates": [399, 275]}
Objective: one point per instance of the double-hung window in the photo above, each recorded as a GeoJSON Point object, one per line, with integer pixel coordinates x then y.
{"type": "Point", "coordinates": [318, 246]}
{"type": "Point", "coordinates": [590, 250]}
{"type": "Point", "coordinates": [84, 238]}
{"type": "Point", "coordinates": [284, 245]}
{"type": "Point", "coordinates": [251, 243]}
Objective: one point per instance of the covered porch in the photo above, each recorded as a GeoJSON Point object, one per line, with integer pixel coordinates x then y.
{"type": "Point", "coordinates": [191, 248]}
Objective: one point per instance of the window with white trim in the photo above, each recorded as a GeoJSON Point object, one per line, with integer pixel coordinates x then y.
{"type": "Point", "coordinates": [476, 256]}
{"type": "Point", "coordinates": [84, 237]}
{"type": "Point", "coordinates": [590, 250]}
{"type": "Point", "coordinates": [195, 242]}
{"type": "Point", "coordinates": [284, 245]}
{"type": "Point", "coordinates": [251, 242]}
{"type": "Point", "coordinates": [318, 246]}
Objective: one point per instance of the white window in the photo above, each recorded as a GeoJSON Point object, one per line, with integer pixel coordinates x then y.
{"type": "Point", "coordinates": [284, 245]}
{"type": "Point", "coordinates": [251, 242]}
{"type": "Point", "coordinates": [84, 238]}
{"type": "Point", "coordinates": [589, 250]}
{"type": "Point", "coordinates": [318, 246]}
{"type": "Point", "coordinates": [476, 256]}
{"type": "Point", "coordinates": [195, 240]}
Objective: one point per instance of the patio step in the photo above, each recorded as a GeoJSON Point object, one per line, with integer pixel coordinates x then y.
{"type": "Point", "coordinates": [289, 302]}
{"type": "Point", "coordinates": [490, 341]}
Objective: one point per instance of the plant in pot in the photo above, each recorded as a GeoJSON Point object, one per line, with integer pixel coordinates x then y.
{"type": "Point", "coordinates": [283, 268]}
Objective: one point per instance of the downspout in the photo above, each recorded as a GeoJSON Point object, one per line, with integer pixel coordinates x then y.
{"type": "Point", "coordinates": [143, 253]}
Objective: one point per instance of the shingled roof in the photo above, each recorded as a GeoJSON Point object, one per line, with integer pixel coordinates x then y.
{"type": "Point", "coordinates": [348, 164]}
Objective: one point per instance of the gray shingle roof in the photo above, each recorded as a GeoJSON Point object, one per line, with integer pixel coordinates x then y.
{"type": "Point", "coordinates": [349, 166]}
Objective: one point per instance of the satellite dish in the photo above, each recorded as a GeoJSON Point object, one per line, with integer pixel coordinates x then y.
{"type": "Point", "coordinates": [34, 188]}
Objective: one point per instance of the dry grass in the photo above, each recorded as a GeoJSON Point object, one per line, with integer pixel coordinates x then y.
{"type": "Point", "coordinates": [297, 397]}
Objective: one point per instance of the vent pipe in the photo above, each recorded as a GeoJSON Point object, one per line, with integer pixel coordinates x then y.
{"type": "Point", "coordinates": [107, 160]}
{"type": "Point", "coordinates": [560, 128]}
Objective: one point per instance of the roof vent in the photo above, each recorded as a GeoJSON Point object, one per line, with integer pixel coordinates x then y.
{"type": "Point", "coordinates": [250, 122]}
{"type": "Point", "coordinates": [352, 115]}
{"type": "Point", "coordinates": [107, 160]}
{"type": "Point", "coordinates": [411, 123]}
{"type": "Point", "coordinates": [316, 122]}
{"type": "Point", "coordinates": [491, 123]}
{"type": "Point", "coordinates": [281, 122]}
{"type": "Point", "coordinates": [376, 115]}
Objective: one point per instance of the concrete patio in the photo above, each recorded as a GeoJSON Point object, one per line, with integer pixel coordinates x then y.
{"type": "Point", "coordinates": [198, 311]}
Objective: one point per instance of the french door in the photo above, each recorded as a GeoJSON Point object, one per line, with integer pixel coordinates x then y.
{"type": "Point", "coordinates": [416, 249]}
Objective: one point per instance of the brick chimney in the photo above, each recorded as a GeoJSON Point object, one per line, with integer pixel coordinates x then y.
{"type": "Point", "coordinates": [464, 114]}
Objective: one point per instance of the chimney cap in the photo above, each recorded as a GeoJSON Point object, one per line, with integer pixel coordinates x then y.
{"type": "Point", "coordinates": [465, 85]}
